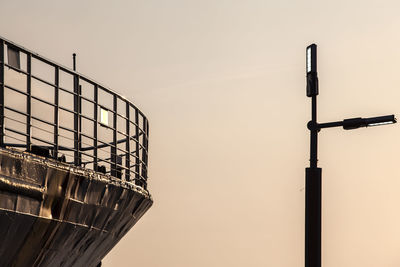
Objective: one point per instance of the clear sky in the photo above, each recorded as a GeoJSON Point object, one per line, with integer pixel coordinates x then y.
{"type": "Point", "coordinates": [223, 86]}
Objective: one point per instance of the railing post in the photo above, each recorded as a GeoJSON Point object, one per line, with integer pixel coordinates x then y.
{"type": "Point", "coordinates": [147, 151]}
{"type": "Point", "coordinates": [28, 101]}
{"type": "Point", "coordinates": [95, 112]}
{"type": "Point", "coordinates": [80, 123]}
{"type": "Point", "coordinates": [114, 142]}
{"type": "Point", "coordinates": [137, 158]}
{"type": "Point", "coordinates": [144, 153]}
{"type": "Point", "coordinates": [127, 147]}
{"type": "Point", "coordinates": [56, 103]}
{"type": "Point", "coordinates": [77, 159]}
{"type": "Point", "coordinates": [2, 93]}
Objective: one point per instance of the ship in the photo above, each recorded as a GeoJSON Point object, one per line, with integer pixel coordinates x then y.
{"type": "Point", "coordinates": [73, 163]}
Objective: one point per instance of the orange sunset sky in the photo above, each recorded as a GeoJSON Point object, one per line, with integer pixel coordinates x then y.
{"type": "Point", "coordinates": [222, 83]}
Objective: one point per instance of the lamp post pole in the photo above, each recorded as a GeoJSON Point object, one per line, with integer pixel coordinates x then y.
{"type": "Point", "coordinates": [313, 173]}
{"type": "Point", "coordinates": [313, 187]}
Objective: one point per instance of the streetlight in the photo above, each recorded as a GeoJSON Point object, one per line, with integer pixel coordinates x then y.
{"type": "Point", "coordinates": [313, 173]}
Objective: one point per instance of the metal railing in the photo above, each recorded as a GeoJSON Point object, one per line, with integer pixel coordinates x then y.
{"type": "Point", "coordinates": [52, 110]}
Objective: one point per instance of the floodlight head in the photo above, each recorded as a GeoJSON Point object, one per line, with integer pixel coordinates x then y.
{"type": "Point", "coordinates": [350, 124]}
{"type": "Point", "coordinates": [311, 70]}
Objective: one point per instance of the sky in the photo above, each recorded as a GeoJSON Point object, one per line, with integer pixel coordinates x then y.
{"type": "Point", "coordinates": [223, 86]}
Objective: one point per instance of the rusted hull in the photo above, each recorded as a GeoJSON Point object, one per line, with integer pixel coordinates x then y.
{"type": "Point", "coordinates": [52, 214]}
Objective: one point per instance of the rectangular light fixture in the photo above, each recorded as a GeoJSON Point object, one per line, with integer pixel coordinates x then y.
{"type": "Point", "coordinates": [103, 116]}
{"type": "Point", "coordinates": [311, 58]}
{"type": "Point", "coordinates": [350, 124]}
{"type": "Point", "coordinates": [382, 120]}
{"type": "Point", "coordinates": [311, 70]}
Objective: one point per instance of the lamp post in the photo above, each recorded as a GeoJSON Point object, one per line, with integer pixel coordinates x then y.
{"type": "Point", "coordinates": [313, 173]}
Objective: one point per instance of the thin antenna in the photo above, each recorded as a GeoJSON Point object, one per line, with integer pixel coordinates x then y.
{"type": "Point", "coordinates": [74, 61]}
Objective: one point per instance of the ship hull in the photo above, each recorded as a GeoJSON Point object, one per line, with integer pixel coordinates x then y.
{"type": "Point", "coordinates": [54, 214]}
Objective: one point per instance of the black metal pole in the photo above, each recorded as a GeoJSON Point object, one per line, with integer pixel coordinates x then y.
{"type": "Point", "coordinates": [313, 217]}
{"type": "Point", "coordinates": [74, 61]}
{"type": "Point", "coordinates": [313, 173]}
{"type": "Point", "coordinates": [313, 198]}
{"type": "Point", "coordinates": [313, 134]}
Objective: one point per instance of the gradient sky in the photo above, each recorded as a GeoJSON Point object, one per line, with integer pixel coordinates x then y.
{"type": "Point", "coordinates": [223, 86]}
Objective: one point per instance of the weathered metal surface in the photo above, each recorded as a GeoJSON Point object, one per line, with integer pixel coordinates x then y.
{"type": "Point", "coordinates": [55, 214]}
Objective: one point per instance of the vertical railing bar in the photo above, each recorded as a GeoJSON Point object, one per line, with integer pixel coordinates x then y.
{"type": "Point", "coordinates": [76, 120]}
{"type": "Point", "coordinates": [114, 146]}
{"type": "Point", "coordinates": [80, 122]}
{"type": "Point", "coordinates": [28, 101]}
{"type": "Point", "coordinates": [127, 155]}
{"type": "Point", "coordinates": [137, 158]}
{"type": "Point", "coordinates": [144, 152]}
{"type": "Point", "coordinates": [95, 112]}
{"type": "Point", "coordinates": [147, 149]}
{"type": "Point", "coordinates": [56, 119]}
{"type": "Point", "coordinates": [2, 93]}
